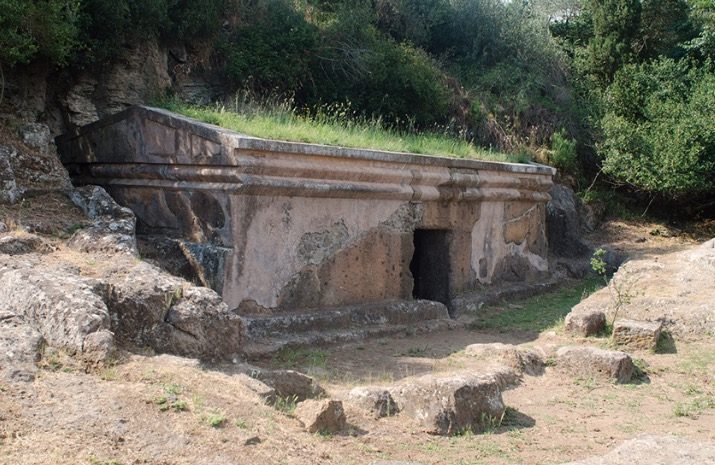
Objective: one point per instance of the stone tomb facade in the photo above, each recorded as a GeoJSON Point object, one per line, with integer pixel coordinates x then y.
{"type": "Point", "coordinates": [287, 228]}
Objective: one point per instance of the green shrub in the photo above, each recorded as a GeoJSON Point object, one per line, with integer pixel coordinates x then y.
{"type": "Point", "coordinates": [31, 29]}
{"type": "Point", "coordinates": [272, 52]}
{"type": "Point", "coordinates": [659, 128]}
{"type": "Point", "coordinates": [563, 153]}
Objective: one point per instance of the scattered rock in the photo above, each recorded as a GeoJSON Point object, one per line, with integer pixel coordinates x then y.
{"type": "Point", "coordinates": [585, 323]}
{"type": "Point", "coordinates": [448, 405]}
{"type": "Point", "coordinates": [637, 334]}
{"type": "Point", "coordinates": [656, 450]}
{"type": "Point", "coordinates": [524, 360]}
{"type": "Point", "coordinates": [261, 389]}
{"type": "Point", "coordinates": [112, 228]}
{"type": "Point", "coordinates": [592, 362]}
{"type": "Point", "coordinates": [286, 383]}
{"type": "Point", "coordinates": [252, 441]}
{"type": "Point", "coordinates": [18, 244]}
{"type": "Point", "coordinates": [325, 416]}
{"type": "Point", "coordinates": [375, 400]}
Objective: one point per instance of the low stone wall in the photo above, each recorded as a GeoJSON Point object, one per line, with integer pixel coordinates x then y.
{"type": "Point", "coordinates": [280, 227]}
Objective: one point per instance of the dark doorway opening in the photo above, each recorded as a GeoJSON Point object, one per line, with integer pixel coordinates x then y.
{"type": "Point", "coordinates": [430, 266]}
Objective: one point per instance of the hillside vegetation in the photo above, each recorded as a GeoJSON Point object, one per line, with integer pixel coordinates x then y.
{"type": "Point", "coordinates": [621, 90]}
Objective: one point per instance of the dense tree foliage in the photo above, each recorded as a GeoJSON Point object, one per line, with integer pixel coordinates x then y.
{"type": "Point", "coordinates": [622, 86]}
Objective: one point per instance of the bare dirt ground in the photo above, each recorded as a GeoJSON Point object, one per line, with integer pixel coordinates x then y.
{"type": "Point", "coordinates": [151, 409]}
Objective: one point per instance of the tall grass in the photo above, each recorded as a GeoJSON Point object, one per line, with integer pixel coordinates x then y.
{"type": "Point", "coordinates": [332, 125]}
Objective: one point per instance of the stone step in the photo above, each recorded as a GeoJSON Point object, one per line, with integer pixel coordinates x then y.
{"type": "Point", "coordinates": [383, 313]}
{"type": "Point", "coordinates": [266, 335]}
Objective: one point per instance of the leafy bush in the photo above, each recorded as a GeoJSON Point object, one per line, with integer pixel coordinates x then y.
{"type": "Point", "coordinates": [563, 153]}
{"type": "Point", "coordinates": [273, 51]}
{"type": "Point", "coordinates": [31, 29]}
{"type": "Point", "coordinates": [659, 128]}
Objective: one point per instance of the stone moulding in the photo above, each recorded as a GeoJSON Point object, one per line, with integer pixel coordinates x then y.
{"type": "Point", "coordinates": [293, 227]}
{"type": "Point", "coordinates": [214, 158]}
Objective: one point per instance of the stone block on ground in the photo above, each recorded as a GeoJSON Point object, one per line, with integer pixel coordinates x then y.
{"type": "Point", "coordinates": [447, 405]}
{"type": "Point", "coordinates": [585, 322]}
{"type": "Point", "coordinates": [324, 416]}
{"type": "Point", "coordinates": [261, 389]}
{"type": "Point", "coordinates": [288, 384]}
{"type": "Point", "coordinates": [637, 334]}
{"type": "Point", "coordinates": [376, 400]}
{"type": "Point", "coordinates": [523, 360]}
{"type": "Point", "coordinates": [597, 363]}
{"type": "Point", "coordinates": [656, 450]}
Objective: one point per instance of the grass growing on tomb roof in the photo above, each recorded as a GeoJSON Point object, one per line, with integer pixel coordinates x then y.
{"type": "Point", "coordinates": [333, 126]}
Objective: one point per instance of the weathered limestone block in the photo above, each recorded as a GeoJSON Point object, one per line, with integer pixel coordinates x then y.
{"type": "Point", "coordinates": [637, 334]}
{"type": "Point", "coordinates": [324, 416]}
{"type": "Point", "coordinates": [523, 360]}
{"type": "Point", "coordinates": [450, 404]}
{"type": "Point", "coordinates": [376, 400]}
{"type": "Point", "coordinates": [598, 363]}
{"type": "Point", "coordinates": [656, 450]}
{"type": "Point", "coordinates": [587, 322]}
{"type": "Point", "coordinates": [286, 383]}
{"type": "Point", "coordinates": [261, 389]}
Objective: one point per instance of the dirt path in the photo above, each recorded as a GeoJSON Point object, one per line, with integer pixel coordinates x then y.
{"type": "Point", "coordinates": [168, 410]}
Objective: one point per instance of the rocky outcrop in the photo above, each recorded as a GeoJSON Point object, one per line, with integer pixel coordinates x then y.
{"type": "Point", "coordinates": [288, 384]}
{"type": "Point", "coordinates": [112, 227]}
{"type": "Point", "coordinates": [675, 289]}
{"type": "Point", "coordinates": [60, 305]}
{"type": "Point", "coordinates": [656, 450]}
{"type": "Point", "coordinates": [138, 76]}
{"type": "Point", "coordinates": [564, 228]}
{"type": "Point", "coordinates": [590, 362]}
